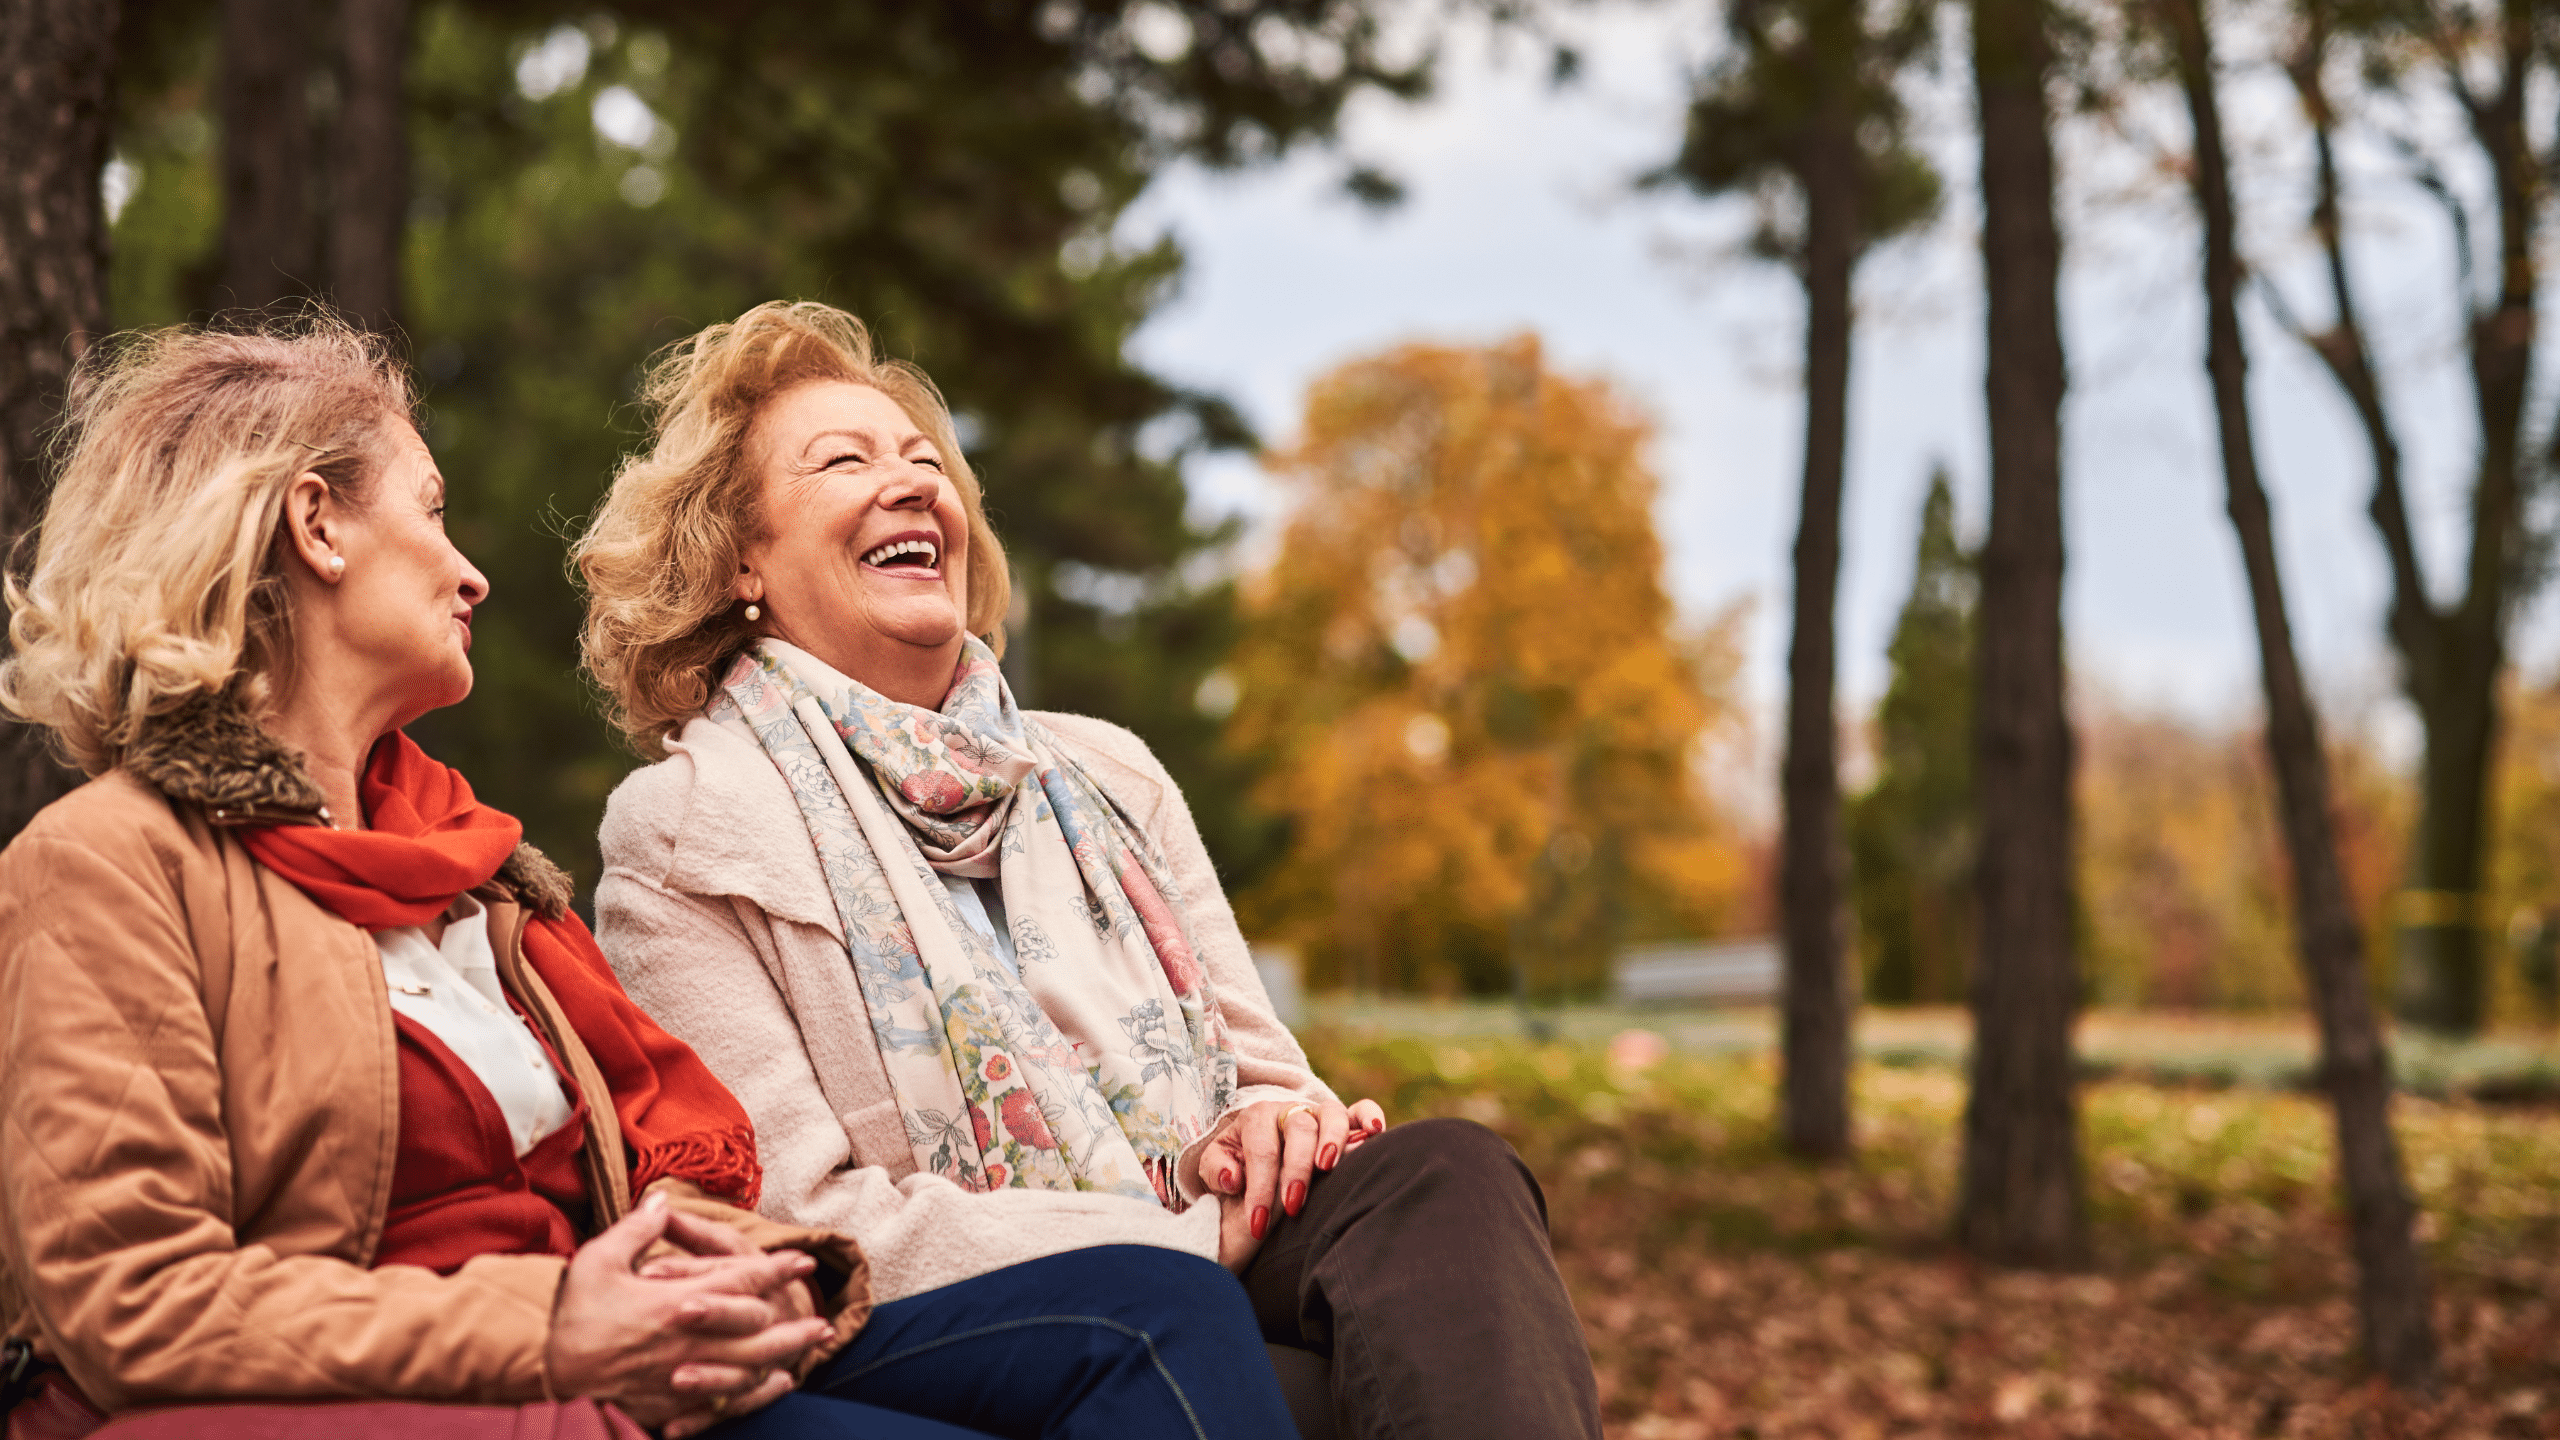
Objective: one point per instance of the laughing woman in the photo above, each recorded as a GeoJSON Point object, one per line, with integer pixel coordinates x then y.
{"type": "Point", "coordinates": [968, 966]}
{"type": "Point", "coordinates": [313, 1089]}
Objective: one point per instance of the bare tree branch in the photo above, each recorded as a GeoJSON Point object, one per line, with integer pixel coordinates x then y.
{"type": "Point", "coordinates": [2343, 348]}
{"type": "Point", "coordinates": [2428, 176]}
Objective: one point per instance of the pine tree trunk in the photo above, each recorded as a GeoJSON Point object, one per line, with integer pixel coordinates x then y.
{"type": "Point", "coordinates": [57, 85]}
{"type": "Point", "coordinates": [2399, 1333]}
{"type": "Point", "coordinates": [369, 190]}
{"type": "Point", "coordinates": [268, 249]}
{"type": "Point", "coordinates": [2021, 1200]}
{"type": "Point", "coordinates": [1815, 1043]}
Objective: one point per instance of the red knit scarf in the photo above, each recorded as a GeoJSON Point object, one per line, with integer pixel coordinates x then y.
{"type": "Point", "coordinates": [432, 840]}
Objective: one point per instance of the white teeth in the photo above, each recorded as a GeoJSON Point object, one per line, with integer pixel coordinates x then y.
{"type": "Point", "coordinates": [886, 553]}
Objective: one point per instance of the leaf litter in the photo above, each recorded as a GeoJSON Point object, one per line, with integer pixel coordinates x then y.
{"type": "Point", "coordinates": [1731, 1291]}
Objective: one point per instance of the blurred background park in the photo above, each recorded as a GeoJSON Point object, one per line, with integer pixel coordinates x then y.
{"type": "Point", "coordinates": [1623, 709]}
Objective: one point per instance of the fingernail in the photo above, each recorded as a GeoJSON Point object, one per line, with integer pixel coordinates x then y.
{"type": "Point", "coordinates": [1261, 1219]}
{"type": "Point", "coordinates": [1331, 1153]}
{"type": "Point", "coordinates": [801, 1262]}
{"type": "Point", "coordinates": [1377, 1125]}
{"type": "Point", "coordinates": [654, 1200]}
{"type": "Point", "coordinates": [1296, 1198]}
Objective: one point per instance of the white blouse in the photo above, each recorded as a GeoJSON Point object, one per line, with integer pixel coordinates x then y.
{"type": "Point", "coordinates": [453, 990]}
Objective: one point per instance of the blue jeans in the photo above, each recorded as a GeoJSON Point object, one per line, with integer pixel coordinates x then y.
{"type": "Point", "coordinates": [1120, 1342]}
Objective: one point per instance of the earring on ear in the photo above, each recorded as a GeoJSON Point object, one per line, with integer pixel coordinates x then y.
{"type": "Point", "coordinates": [337, 566]}
{"type": "Point", "coordinates": [755, 612]}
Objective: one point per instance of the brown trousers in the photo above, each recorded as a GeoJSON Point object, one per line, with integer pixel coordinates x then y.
{"type": "Point", "coordinates": [1420, 1265]}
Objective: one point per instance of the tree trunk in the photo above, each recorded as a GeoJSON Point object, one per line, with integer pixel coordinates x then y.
{"type": "Point", "coordinates": [2450, 658]}
{"type": "Point", "coordinates": [57, 82]}
{"type": "Point", "coordinates": [2021, 1199]}
{"type": "Point", "coordinates": [268, 250]}
{"type": "Point", "coordinates": [2444, 970]}
{"type": "Point", "coordinates": [1815, 1045]}
{"type": "Point", "coordinates": [369, 191]}
{"type": "Point", "coordinates": [2399, 1333]}
{"type": "Point", "coordinates": [2442, 975]}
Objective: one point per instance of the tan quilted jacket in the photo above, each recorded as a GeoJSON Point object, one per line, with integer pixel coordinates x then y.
{"type": "Point", "coordinates": [199, 1109]}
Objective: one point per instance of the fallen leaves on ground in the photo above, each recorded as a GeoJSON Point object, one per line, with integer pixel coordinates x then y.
{"type": "Point", "coordinates": [1728, 1290]}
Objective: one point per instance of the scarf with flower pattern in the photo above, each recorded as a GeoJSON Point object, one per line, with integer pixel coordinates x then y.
{"type": "Point", "coordinates": [1094, 1066]}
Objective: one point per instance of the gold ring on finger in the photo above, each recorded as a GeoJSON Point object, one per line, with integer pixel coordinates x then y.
{"type": "Point", "coordinates": [1294, 1111]}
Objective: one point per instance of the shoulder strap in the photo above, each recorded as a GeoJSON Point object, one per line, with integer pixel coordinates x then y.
{"type": "Point", "coordinates": [20, 1370]}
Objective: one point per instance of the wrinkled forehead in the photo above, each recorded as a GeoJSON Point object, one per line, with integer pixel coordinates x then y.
{"type": "Point", "coordinates": [791, 417]}
{"type": "Point", "coordinates": [404, 455]}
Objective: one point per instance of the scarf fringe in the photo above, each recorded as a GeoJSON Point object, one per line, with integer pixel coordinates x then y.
{"type": "Point", "coordinates": [721, 1163]}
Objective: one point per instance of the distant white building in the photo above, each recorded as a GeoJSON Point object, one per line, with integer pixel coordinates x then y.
{"type": "Point", "coordinates": [1721, 972]}
{"type": "Point", "coordinates": [1282, 974]}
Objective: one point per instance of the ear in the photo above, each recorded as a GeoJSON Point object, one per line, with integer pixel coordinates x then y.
{"type": "Point", "coordinates": [748, 586]}
{"type": "Point", "coordinates": [314, 523]}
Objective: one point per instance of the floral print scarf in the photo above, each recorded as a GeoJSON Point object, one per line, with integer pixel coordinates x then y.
{"type": "Point", "coordinates": [1092, 1067]}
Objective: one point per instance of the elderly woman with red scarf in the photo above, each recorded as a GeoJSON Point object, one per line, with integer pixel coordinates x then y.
{"type": "Point", "coordinates": [315, 1093]}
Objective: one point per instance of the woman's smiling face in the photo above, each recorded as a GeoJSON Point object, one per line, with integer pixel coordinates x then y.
{"type": "Point", "coordinates": [863, 557]}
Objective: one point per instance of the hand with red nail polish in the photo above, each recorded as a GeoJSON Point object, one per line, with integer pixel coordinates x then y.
{"type": "Point", "coordinates": [1239, 1239]}
{"type": "Point", "coordinates": [1266, 1156]}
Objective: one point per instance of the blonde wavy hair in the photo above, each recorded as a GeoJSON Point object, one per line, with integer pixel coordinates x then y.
{"type": "Point", "coordinates": [158, 571]}
{"type": "Point", "coordinates": [661, 556]}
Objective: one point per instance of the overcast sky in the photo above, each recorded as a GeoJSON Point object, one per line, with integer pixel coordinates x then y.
{"type": "Point", "coordinates": [1521, 216]}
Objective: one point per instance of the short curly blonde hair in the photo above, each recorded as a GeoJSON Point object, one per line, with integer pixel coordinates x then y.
{"type": "Point", "coordinates": [158, 571]}
{"type": "Point", "coordinates": [661, 556]}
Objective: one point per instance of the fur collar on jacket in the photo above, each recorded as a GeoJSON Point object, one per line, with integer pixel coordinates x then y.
{"type": "Point", "coordinates": [211, 753]}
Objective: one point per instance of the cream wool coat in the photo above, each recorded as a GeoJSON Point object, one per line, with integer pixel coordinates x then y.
{"type": "Point", "coordinates": [715, 914]}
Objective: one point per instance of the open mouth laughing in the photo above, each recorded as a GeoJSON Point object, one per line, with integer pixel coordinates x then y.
{"type": "Point", "coordinates": [915, 554]}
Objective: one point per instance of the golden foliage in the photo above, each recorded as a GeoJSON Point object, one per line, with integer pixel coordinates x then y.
{"type": "Point", "coordinates": [2184, 886]}
{"type": "Point", "coordinates": [1468, 687]}
{"type": "Point", "coordinates": [2523, 912]}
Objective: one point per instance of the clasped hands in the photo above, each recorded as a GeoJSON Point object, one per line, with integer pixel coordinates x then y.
{"type": "Point", "coordinates": [681, 1342]}
{"type": "Point", "coordinates": [1266, 1154]}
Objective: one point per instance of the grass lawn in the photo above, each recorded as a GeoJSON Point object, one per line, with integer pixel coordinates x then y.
{"type": "Point", "coordinates": [2270, 1050]}
{"type": "Point", "coordinates": [1730, 1291]}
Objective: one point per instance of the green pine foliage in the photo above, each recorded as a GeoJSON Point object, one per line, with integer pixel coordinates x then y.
{"type": "Point", "coordinates": [1911, 835]}
{"type": "Point", "coordinates": [1792, 68]}
{"type": "Point", "coordinates": [952, 172]}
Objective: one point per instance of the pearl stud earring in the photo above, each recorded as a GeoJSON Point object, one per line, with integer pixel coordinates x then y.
{"type": "Point", "coordinates": [337, 566]}
{"type": "Point", "coordinates": [755, 612]}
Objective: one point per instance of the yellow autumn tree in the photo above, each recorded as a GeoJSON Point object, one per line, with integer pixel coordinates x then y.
{"type": "Point", "coordinates": [2184, 895]}
{"type": "Point", "coordinates": [1469, 693]}
{"type": "Point", "coordinates": [2523, 910]}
